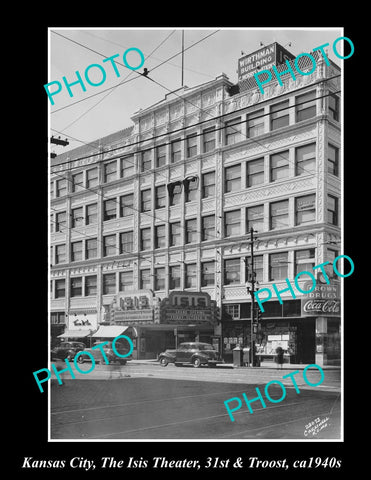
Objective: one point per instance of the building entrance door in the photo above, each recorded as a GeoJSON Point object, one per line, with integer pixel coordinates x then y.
{"type": "Point", "coordinates": [305, 341]}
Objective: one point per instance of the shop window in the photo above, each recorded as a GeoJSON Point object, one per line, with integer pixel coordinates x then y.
{"type": "Point", "coordinates": [305, 159]}
{"type": "Point", "coordinates": [191, 231]}
{"type": "Point", "coordinates": [52, 190]}
{"type": "Point", "coordinates": [232, 223]}
{"type": "Point", "coordinates": [291, 308]}
{"type": "Point", "coordinates": [127, 168]}
{"type": "Point", "coordinates": [190, 189]}
{"type": "Point", "coordinates": [174, 277]}
{"type": "Point", "coordinates": [232, 178]}
{"type": "Point", "coordinates": [233, 131]}
{"type": "Point", "coordinates": [279, 166]}
{"type": "Point", "coordinates": [76, 251]}
{"type": "Point", "coordinates": [60, 253]}
{"type": "Point", "coordinates": [91, 248]}
{"type": "Point", "coordinates": [160, 196]}
{"type": "Point", "coordinates": [160, 236]}
{"type": "Point", "coordinates": [232, 310]}
{"type": "Point", "coordinates": [278, 266]}
{"type": "Point", "coordinates": [208, 228]}
{"type": "Point", "coordinates": [76, 287]}
{"type": "Point", "coordinates": [176, 151]}
{"type": "Point", "coordinates": [305, 209]}
{"type": "Point", "coordinates": [61, 187]}
{"type": "Point", "coordinates": [126, 205]}
{"type": "Point", "coordinates": [91, 285]}
{"type": "Point", "coordinates": [91, 214]}
{"type": "Point", "coordinates": [279, 115]}
{"type": "Point", "coordinates": [333, 160]}
{"type": "Point", "coordinates": [255, 172]}
{"type": "Point", "coordinates": [332, 210]}
{"type": "Point", "coordinates": [209, 139]}
{"type": "Point", "coordinates": [60, 288]}
{"type": "Point", "coordinates": [110, 171]}
{"type": "Point", "coordinates": [77, 182]}
{"type": "Point", "coordinates": [77, 217]}
{"type": "Point", "coordinates": [255, 218]}
{"type": "Point", "coordinates": [208, 185]}
{"type": "Point", "coordinates": [109, 245]}
{"type": "Point", "coordinates": [159, 278]}
{"type": "Point", "coordinates": [175, 193]}
{"type": "Point", "coordinates": [126, 242]}
{"type": "Point", "coordinates": [60, 221]}
{"type": "Point", "coordinates": [161, 155]}
{"type": "Point", "coordinates": [334, 107]}
{"type": "Point", "coordinates": [109, 283]}
{"type": "Point", "coordinates": [305, 106]}
{"type": "Point", "coordinates": [304, 260]}
{"type": "Point", "coordinates": [255, 123]}
{"type": "Point", "coordinates": [191, 275]}
{"type": "Point", "coordinates": [145, 279]}
{"type": "Point", "coordinates": [207, 274]}
{"type": "Point", "coordinates": [92, 178]}
{"type": "Point", "coordinates": [145, 200]}
{"type": "Point", "coordinates": [279, 215]}
{"type": "Point", "coordinates": [109, 209]}
{"type": "Point", "coordinates": [175, 234]}
{"type": "Point", "coordinates": [192, 145]}
{"type": "Point", "coordinates": [232, 271]}
{"type": "Point", "coordinates": [126, 281]}
{"type": "Point", "coordinates": [146, 160]}
{"type": "Point", "coordinates": [145, 239]}
{"type": "Point", "coordinates": [258, 268]}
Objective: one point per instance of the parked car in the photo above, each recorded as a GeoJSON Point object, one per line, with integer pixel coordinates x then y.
{"type": "Point", "coordinates": [67, 350]}
{"type": "Point", "coordinates": [195, 353]}
{"type": "Point", "coordinates": [109, 352]}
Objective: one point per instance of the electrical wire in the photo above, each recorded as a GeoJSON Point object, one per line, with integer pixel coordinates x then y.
{"type": "Point", "coordinates": [112, 90]}
{"type": "Point", "coordinates": [127, 81]}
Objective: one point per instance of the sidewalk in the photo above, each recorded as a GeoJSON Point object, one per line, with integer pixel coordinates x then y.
{"type": "Point", "coordinates": [273, 366]}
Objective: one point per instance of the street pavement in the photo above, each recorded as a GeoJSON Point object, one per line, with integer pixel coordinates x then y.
{"type": "Point", "coordinates": [143, 400]}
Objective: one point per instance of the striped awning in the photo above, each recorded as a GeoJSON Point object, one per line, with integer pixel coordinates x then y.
{"type": "Point", "coordinates": [109, 331]}
{"type": "Point", "coordinates": [75, 334]}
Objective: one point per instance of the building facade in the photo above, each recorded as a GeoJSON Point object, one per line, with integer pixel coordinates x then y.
{"type": "Point", "coordinates": [150, 225]}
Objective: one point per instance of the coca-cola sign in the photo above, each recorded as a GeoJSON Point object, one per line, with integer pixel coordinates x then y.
{"type": "Point", "coordinates": [320, 306]}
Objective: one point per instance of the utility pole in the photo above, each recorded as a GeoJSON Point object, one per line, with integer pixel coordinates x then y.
{"type": "Point", "coordinates": [252, 290]}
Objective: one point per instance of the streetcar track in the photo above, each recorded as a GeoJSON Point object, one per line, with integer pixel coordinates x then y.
{"type": "Point", "coordinates": [172, 424]}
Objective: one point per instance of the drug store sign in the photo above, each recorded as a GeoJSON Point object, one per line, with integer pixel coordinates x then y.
{"type": "Point", "coordinates": [323, 300]}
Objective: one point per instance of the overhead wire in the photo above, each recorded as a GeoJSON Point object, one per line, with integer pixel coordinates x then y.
{"type": "Point", "coordinates": [127, 81]}
{"type": "Point", "coordinates": [112, 90]}
{"type": "Point", "coordinates": [193, 125]}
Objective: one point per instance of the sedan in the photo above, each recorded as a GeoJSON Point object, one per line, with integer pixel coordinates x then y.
{"type": "Point", "coordinates": [194, 353]}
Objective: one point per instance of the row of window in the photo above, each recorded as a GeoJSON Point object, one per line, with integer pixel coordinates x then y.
{"type": "Point", "coordinates": [236, 271]}
{"type": "Point", "coordinates": [305, 213]}
{"type": "Point", "coordinates": [236, 130]}
{"type": "Point", "coordinates": [124, 205]}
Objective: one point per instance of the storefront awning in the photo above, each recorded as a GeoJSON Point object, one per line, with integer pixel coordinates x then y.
{"type": "Point", "coordinates": [109, 331]}
{"type": "Point", "coordinates": [75, 334]}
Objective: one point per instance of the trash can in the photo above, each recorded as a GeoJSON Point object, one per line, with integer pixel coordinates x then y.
{"type": "Point", "coordinates": [237, 356]}
{"type": "Point", "coordinates": [246, 356]}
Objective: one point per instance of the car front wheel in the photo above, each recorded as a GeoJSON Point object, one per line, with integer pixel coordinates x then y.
{"type": "Point", "coordinates": [164, 362]}
{"type": "Point", "coordinates": [196, 362]}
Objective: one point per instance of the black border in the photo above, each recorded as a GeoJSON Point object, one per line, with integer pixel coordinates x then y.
{"type": "Point", "coordinates": [30, 408]}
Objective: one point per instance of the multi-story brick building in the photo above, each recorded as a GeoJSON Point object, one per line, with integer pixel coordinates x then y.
{"type": "Point", "coordinates": [167, 204]}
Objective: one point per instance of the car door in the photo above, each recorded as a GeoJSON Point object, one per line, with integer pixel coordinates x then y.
{"type": "Point", "coordinates": [182, 353]}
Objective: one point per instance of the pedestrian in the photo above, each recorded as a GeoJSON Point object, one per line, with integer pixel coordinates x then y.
{"type": "Point", "coordinates": [279, 356]}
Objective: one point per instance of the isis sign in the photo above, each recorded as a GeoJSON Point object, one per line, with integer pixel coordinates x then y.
{"type": "Point", "coordinates": [323, 300]}
{"type": "Point", "coordinates": [185, 308]}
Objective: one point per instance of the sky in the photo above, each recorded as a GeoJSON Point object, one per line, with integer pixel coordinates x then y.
{"type": "Point", "coordinates": [105, 109]}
